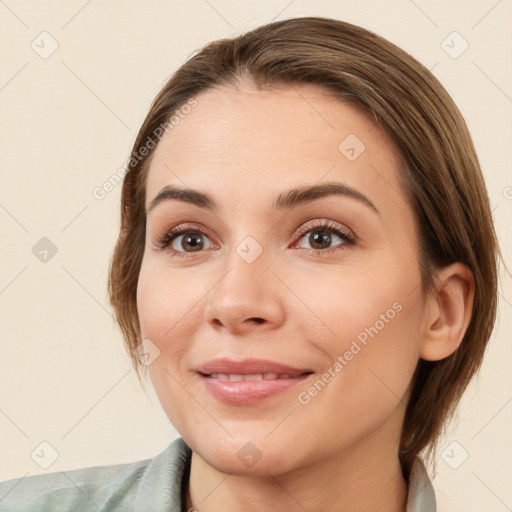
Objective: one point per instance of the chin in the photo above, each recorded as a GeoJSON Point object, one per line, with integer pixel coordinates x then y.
{"type": "Point", "coordinates": [242, 457]}
{"type": "Point", "coordinates": [230, 464]}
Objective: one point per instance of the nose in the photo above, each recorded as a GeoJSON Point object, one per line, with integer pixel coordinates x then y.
{"type": "Point", "coordinates": [247, 296]}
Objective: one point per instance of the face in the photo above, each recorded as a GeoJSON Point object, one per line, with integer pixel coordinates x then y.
{"type": "Point", "coordinates": [327, 283]}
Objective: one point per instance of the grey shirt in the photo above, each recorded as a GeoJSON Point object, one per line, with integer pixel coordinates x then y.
{"type": "Point", "coordinates": [151, 485]}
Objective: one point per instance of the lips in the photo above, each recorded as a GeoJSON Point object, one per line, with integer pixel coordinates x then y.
{"type": "Point", "coordinates": [249, 381]}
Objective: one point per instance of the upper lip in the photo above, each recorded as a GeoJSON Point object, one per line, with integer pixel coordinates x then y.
{"type": "Point", "coordinates": [248, 367]}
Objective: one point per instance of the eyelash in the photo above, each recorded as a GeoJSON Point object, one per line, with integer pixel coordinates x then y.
{"type": "Point", "coordinates": [164, 240]}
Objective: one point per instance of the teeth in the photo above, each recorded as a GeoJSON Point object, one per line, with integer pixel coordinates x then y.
{"type": "Point", "coordinates": [256, 376]}
{"type": "Point", "coordinates": [220, 376]}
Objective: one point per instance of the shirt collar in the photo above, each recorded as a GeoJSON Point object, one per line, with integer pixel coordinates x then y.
{"type": "Point", "coordinates": [421, 496]}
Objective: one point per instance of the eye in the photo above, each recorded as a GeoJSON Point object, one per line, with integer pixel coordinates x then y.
{"type": "Point", "coordinates": [319, 236]}
{"type": "Point", "coordinates": [183, 240]}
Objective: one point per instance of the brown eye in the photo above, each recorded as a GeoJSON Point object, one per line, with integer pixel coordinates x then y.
{"type": "Point", "coordinates": [322, 237]}
{"type": "Point", "coordinates": [183, 240]}
{"type": "Point", "coordinates": [191, 240]}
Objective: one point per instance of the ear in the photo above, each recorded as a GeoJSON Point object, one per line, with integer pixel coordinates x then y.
{"type": "Point", "coordinates": [448, 312]}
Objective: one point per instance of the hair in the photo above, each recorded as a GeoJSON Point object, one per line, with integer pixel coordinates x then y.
{"type": "Point", "coordinates": [440, 176]}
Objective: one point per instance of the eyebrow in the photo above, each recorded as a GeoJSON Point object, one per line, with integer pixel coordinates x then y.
{"type": "Point", "coordinates": [285, 201]}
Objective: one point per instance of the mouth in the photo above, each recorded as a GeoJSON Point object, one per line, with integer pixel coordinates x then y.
{"type": "Point", "coordinates": [250, 381]}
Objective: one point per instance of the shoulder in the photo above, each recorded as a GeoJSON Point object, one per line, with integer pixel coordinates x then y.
{"type": "Point", "coordinates": [78, 489]}
{"type": "Point", "coordinates": [154, 484]}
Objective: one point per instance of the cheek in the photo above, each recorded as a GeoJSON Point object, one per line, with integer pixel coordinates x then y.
{"type": "Point", "coordinates": [166, 304]}
{"type": "Point", "coordinates": [372, 325]}
{"type": "Point", "coordinates": [351, 301]}
{"type": "Point", "coordinates": [374, 352]}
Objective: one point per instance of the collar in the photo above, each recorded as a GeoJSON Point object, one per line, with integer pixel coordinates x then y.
{"type": "Point", "coordinates": [421, 496]}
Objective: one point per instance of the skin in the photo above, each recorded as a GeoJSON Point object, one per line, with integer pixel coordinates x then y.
{"type": "Point", "coordinates": [340, 450]}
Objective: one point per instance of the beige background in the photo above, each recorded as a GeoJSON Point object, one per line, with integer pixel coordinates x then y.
{"type": "Point", "coordinates": [67, 124]}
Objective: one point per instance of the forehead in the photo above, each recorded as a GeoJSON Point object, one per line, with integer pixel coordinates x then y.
{"type": "Point", "coordinates": [241, 140]}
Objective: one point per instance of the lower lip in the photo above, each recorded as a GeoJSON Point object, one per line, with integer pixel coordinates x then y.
{"type": "Point", "coordinates": [248, 392]}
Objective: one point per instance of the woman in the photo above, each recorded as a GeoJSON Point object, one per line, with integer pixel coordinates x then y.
{"type": "Point", "coordinates": [306, 268]}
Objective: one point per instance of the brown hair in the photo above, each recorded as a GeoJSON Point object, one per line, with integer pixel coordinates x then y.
{"type": "Point", "coordinates": [441, 177]}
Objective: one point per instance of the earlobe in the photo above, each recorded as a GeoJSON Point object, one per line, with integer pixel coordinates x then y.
{"type": "Point", "coordinates": [448, 312]}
